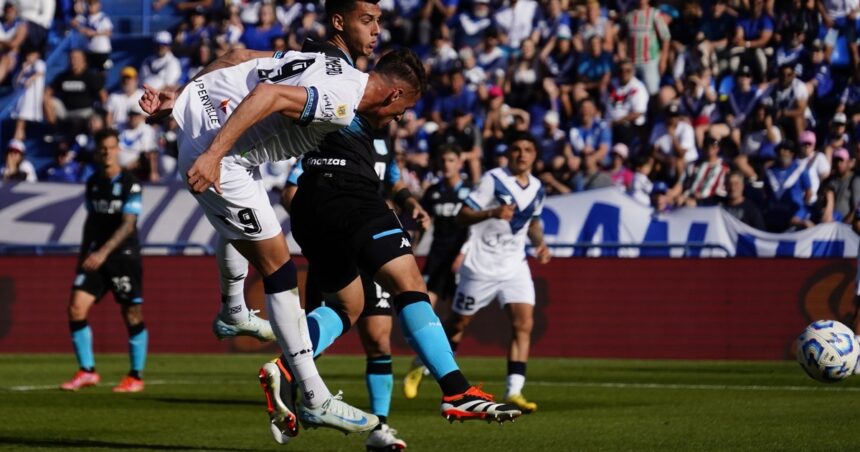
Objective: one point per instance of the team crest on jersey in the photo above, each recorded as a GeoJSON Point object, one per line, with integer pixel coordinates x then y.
{"type": "Point", "coordinates": [224, 104]}
{"type": "Point", "coordinates": [436, 195]}
{"type": "Point", "coordinates": [340, 111]}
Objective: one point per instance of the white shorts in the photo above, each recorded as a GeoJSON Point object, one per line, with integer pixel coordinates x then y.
{"type": "Point", "coordinates": [474, 294]}
{"type": "Point", "coordinates": [243, 210]}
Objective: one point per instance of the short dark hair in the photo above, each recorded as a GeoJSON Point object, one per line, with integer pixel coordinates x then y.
{"type": "Point", "coordinates": [447, 148]}
{"type": "Point", "coordinates": [403, 64]}
{"type": "Point", "coordinates": [519, 135]}
{"type": "Point", "coordinates": [343, 7]}
{"type": "Point", "coordinates": [104, 134]}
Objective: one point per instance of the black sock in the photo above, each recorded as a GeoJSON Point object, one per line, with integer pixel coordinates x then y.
{"type": "Point", "coordinates": [454, 383]}
{"type": "Point", "coordinates": [517, 367]}
{"type": "Point", "coordinates": [135, 374]}
{"type": "Point", "coordinates": [382, 420]}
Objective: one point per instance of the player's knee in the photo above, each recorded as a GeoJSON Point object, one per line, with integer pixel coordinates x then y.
{"type": "Point", "coordinates": [404, 299]}
{"type": "Point", "coordinates": [133, 314]}
{"type": "Point", "coordinates": [77, 312]}
{"type": "Point", "coordinates": [281, 280]}
{"type": "Point", "coordinates": [523, 324]}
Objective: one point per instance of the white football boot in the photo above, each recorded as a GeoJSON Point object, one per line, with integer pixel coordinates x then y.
{"type": "Point", "coordinates": [256, 327]}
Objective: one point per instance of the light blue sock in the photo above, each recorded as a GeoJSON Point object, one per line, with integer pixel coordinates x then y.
{"type": "Point", "coordinates": [82, 340]}
{"type": "Point", "coordinates": [380, 382]}
{"type": "Point", "coordinates": [138, 338]}
{"type": "Point", "coordinates": [324, 326]}
{"type": "Point", "coordinates": [425, 334]}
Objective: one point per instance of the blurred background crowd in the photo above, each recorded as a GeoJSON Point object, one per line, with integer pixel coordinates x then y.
{"type": "Point", "coordinates": [748, 104]}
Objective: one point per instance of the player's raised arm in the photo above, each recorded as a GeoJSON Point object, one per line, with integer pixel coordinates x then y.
{"type": "Point", "coordinates": [262, 101]}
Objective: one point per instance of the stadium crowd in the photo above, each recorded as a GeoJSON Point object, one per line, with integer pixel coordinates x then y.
{"type": "Point", "coordinates": [750, 104]}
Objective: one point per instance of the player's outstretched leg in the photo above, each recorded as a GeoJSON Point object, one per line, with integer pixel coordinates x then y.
{"type": "Point", "coordinates": [235, 319]}
{"type": "Point", "coordinates": [424, 332]}
{"type": "Point", "coordinates": [276, 382]}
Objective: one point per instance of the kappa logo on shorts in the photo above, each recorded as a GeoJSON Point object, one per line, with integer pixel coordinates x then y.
{"type": "Point", "coordinates": [404, 243]}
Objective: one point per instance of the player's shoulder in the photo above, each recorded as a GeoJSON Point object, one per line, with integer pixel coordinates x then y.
{"type": "Point", "coordinates": [130, 182]}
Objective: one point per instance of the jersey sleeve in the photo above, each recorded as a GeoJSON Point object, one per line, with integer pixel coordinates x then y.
{"type": "Point", "coordinates": [133, 202]}
{"type": "Point", "coordinates": [482, 195]}
{"type": "Point", "coordinates": [333, 101]}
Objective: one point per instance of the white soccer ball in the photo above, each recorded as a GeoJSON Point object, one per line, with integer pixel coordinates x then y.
{"type": "Point", "coordinates": [828, 351]}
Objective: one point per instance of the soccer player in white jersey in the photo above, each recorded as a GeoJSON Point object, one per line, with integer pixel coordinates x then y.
{"type": "Point", "coordinates": [266, 109]}
{"type": "Point", "coordinates": [501, 212]}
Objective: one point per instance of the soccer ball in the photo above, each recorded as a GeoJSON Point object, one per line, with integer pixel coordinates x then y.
{"type": "Point", "coordinates": [828, 351]}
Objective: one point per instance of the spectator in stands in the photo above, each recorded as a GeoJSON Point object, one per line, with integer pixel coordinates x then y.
{"type": "Point", "coordinates": [661, 198]}
{"type": "Point", "coordinates": [590, 177]}
{"type": "Point", "coordinates": [705, 181]}
{"type": "Point", "coordinates": [120, 102]}
{"type": "Point", "coordinates": [463, 132]}
{"type": "Point", "coordinates": [97, 27]}
{"type": "Point", "coordinates": [698, 101]}
{"type": "Point", "coordinates": [817, 164]}
{"type": "Point", "coordinates": [594, 71]}
{"type": "Point", "coordinates": [738, 104]}
{"type": "Point", "coordinates": [790, 99]}
{"type": "Point", "coordinates": [193, 34]}
{"type": "Point", "coordinates": [590, 137]}
{"type": "Point", "coordinates": [674, 144]}
{"type": "Point", "coordinates": [309, 27]}
{"type": "Point", "coordinates": [788, 191]}
{"type": "Point", "coordinates": [718, 28]}
{"type": "Point", "coordinates": [30, 83]}
{"type": "Point", "coordinates": [516, 19]}
{"type": "Point", "coordinates": [523, 83]}
{"type": "Point", "coordinates": [620, 174]}
{"type": "Point", "coordinates": [16, 167]}
{"type": "Point", "coordinates": [230, 30]}
{"type": "Point", "coordinates": [39, 14]}
{"type": "Point", "coordinates": [640, 189]}
{"type": "Point", "coordinates": [552, 23]}
{"type": "Point", "coordinates": [64, 168]}
{"type": "Point", "coordinates": [837, 136]}
{"type": "Point", "coordinates": [490, 56]}
{"type": "Point", "coordinates": [73, 95]}
{"type": "Point", "coordinates": [138, 148]}
{"type": "Point", "coordinates": [201, 58]}
{"type": "Point", "coordinates": [471, 24]}
{"type": "Point", "coordinates": [752, 36]}
{"type": "Point", "coordinates": [288, 13]}
{"type": "Point", "coordinates": [628, 105]}
{"type": "Point", "coordinates": [737, 205]}
{"type": "Point", "coordinates": [13, 33]}
{"type": "Point", "coordinates": [259, 36]}
{"type": "Point", "coordinates": [648, 44]}
{"type": "Point", "coordinates": [457, 99]}
{"type": "Point", "coordinates": [554, 149]}
{"type": "Point", "coordinates": [759, 136]}
{"type": "Point", "coordinates": [840, 193]}
{"type": "Point", "coordinates": [596, 24]}
{"type": "Point", "coordinates": [163, 69]}
{"type": "Point", "coordinates": [559, 65]}
{"type": "Point", "coordinates": [837, 16]}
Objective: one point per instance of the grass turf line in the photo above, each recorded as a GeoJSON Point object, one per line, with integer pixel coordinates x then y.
{"type": "Point", "coordinates": [213, 402]}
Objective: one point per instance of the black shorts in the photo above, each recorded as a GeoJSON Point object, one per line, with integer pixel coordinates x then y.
{"type": "Point", "coordinates": [437, 270]}
{"type": "Point", "coordinates": [122, 274]}
{"type": "Point", "coordinates": [345, 227]}
{"type": "Point", "coordinates": [376, 300]}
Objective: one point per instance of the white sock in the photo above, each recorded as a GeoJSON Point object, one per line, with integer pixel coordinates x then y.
{"type": "Point", "coordinates": [291, 328]}
{"type": "Point", "coordinates": [232, 268]}
{"type": "Point", "coordinates": [515, 384]}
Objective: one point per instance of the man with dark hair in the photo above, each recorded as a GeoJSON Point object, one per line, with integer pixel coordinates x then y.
{"type": "Point", "coordinates": [294, 100]}
{"type": "Point", "coordinates": [109, 260]}
{"type": "Point", "coordinates": [501, 211]}
{"type": "Point", "coordinates": [345, 227]}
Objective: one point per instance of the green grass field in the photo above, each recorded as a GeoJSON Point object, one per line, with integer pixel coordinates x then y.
{"type": "Point", "coordinates": [214, 403]}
